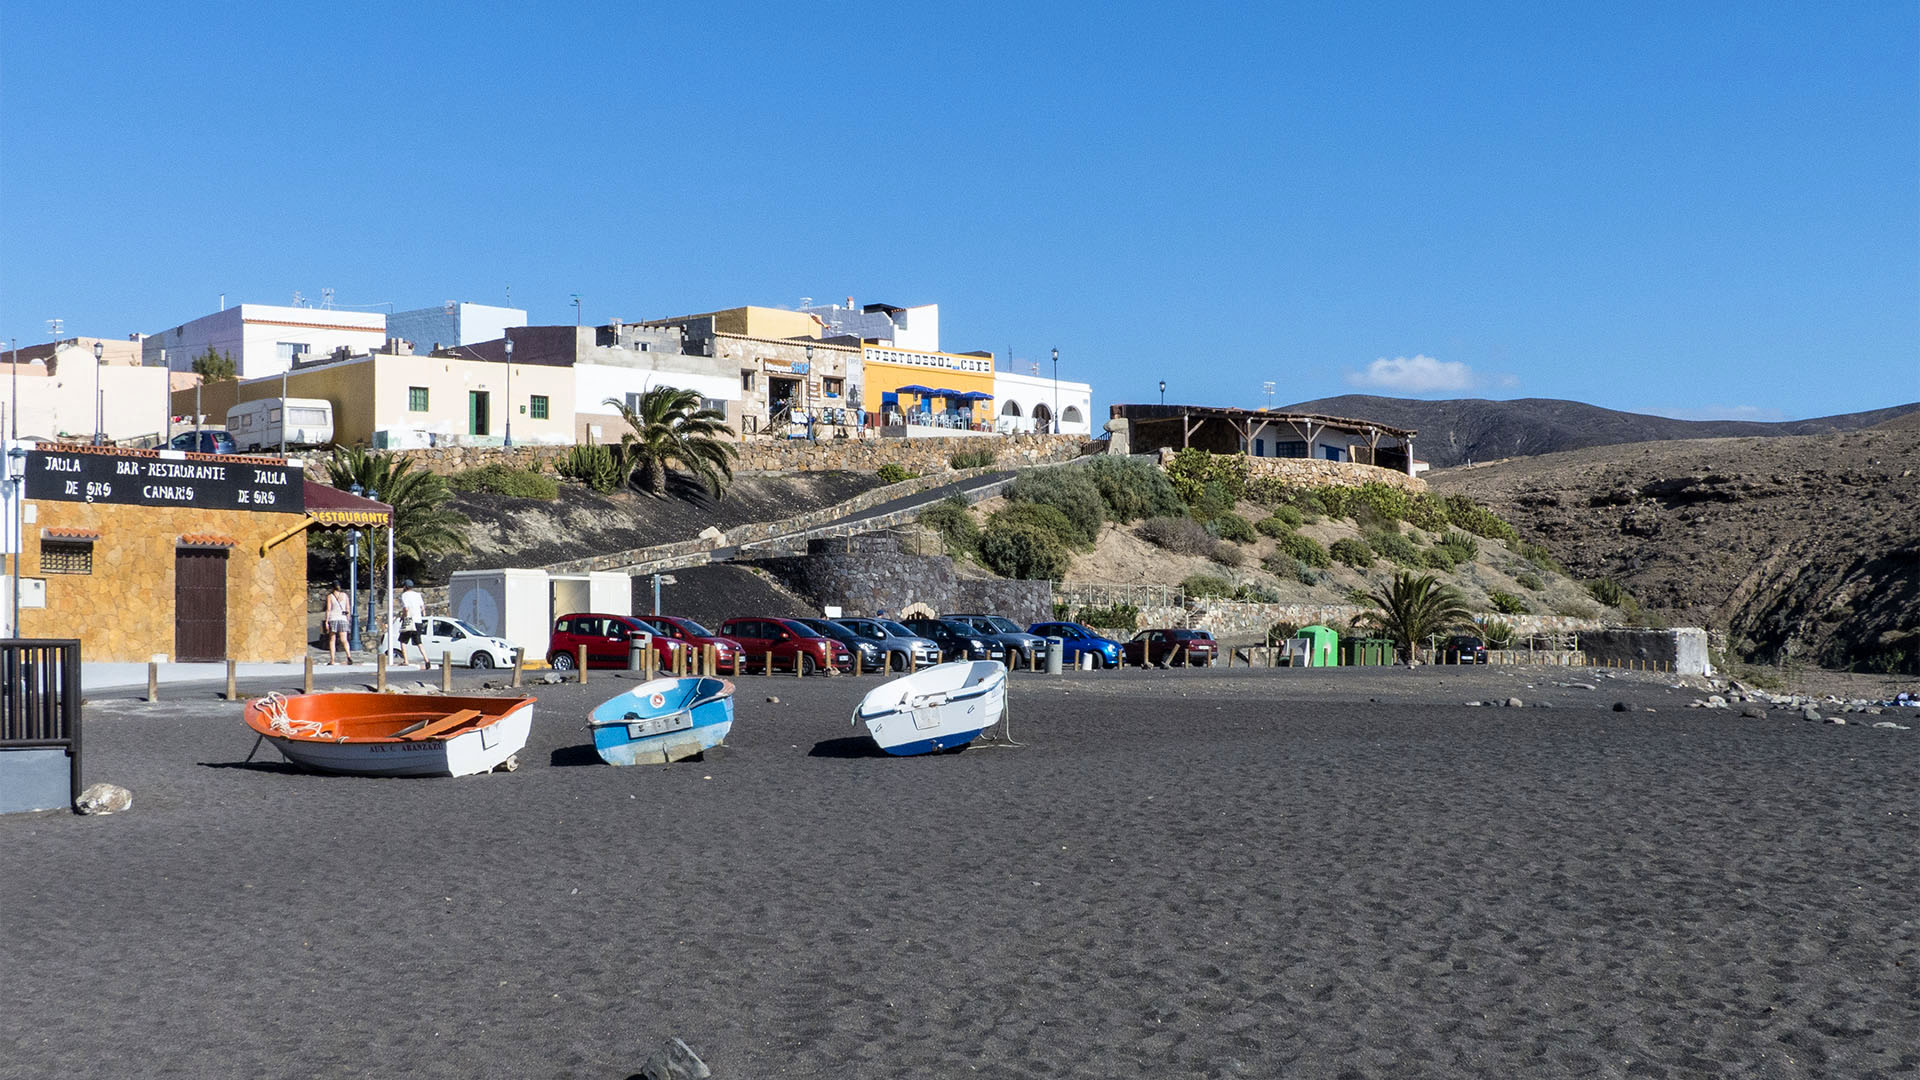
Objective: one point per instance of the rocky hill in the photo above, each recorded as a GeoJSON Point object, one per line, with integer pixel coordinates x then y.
{"type": "Point", "coordinates": [1804, 546]}
{"type": "Point", "coordinates": [1473, 429]}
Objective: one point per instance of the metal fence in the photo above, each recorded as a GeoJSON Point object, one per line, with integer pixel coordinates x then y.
{"type": "Point", "coordinates": [1089, 594]}
{"type": "Point", "coordinates": [40, 698]}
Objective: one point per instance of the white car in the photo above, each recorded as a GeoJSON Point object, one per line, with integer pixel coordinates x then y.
{"type": "Point", "coordinates": [470, 647]}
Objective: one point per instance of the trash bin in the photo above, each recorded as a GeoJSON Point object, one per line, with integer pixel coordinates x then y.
{"type": "Point", "coordinates": [1056, 655]}
{"type": "Point", "coordinates": [637, 645]}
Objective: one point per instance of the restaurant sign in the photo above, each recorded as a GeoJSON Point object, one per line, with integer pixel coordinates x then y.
{"type": "Point", "coordinates": [200, 482]}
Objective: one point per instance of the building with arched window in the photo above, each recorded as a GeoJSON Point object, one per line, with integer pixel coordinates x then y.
{"type": "Point", "coordinates": [1033, 403]}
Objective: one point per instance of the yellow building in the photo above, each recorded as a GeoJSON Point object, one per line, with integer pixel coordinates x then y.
{"type": "Point", "coordinates": [387, 399]}
{"type": "Point", "coordinates": [147, 553]}
{"type": "Point", "coordinates": [890, 372]}
{"type": "Point", "coordinates": [772, 324]}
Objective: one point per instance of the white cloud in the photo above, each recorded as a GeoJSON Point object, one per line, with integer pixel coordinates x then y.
{"type": "Point", "coordinates": [1414, 375]}
{"type": "Point", "coordinates": [1722, 412]}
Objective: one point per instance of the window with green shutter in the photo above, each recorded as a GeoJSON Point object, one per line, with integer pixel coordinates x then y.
{"type": "Point", "coordinates": [537, 406]}
{"type": "Point", "coordinates": [416, 399]}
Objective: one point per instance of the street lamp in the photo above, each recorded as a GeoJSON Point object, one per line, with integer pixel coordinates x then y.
{"type": "Point", "coordinates": [99, 396]}
{"type": "Point", "coordinates": [508, 441]}
{"type": "Point", "coordinates": [1056, 390]}
{"type": "Point", "coordinates": [1163, 391]}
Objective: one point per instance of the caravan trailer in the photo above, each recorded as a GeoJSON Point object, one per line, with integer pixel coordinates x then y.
{"type": "Point", "coordinates": [255, 425]}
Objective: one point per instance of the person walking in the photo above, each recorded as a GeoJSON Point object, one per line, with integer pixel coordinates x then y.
{"type": "Point", "coordinates": [336, 624]}
{"type": "Point", "coordinates": [413, 622]}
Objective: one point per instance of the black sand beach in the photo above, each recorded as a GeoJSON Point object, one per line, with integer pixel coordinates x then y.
{"type": "Point", "coordinates": [1302, 874]}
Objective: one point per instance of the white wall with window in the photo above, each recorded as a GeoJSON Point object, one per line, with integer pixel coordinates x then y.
{"type": "Point", "coordinates": [1029, 402]}
{"type": "Point", "coordinates": [595, 383]}
{"type": "Point", "coordinates": [263, 339]}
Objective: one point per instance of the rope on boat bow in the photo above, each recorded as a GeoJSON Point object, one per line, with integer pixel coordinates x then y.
{"type": "Point", "coordinates": [274, 708]}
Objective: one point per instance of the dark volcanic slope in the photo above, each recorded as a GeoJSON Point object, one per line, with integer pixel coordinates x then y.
{"type": "Point", "coordinates": [1809, 544]}
{"type": "Point", "coordinates": [1474, 429]}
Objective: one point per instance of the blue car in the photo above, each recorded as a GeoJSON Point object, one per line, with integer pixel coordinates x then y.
{"type": "Point", "coordinates": [1077, 639]}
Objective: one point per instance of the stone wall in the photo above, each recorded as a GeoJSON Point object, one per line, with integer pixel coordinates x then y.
{"type": "Point", "coordinates": [1236, 622]}
{"type": "Point", "coordinates": [868, 574]}
{"type": "Point", "coordinates": [796, 455]}
{"type": "Point", "coordinates": [1312, 472]}
{"type": "Point", "coordinates": [1682, 650]}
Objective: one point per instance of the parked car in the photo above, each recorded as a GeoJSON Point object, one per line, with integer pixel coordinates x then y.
{"type": "Point", "coordinates": [204, 441]}
{"type": "Point", "coordinates": [443, 635]}
{"type": "Point", "coordinates": [869, 652]}
{"type": "Point", "coordinates": [726, 651]}
{"type": "Point", "coordinates": [1463, 649]}
{"type": "Point", "coordinates": [792, 643]}
{"type": "Point", "coordinates": [904, 647]}
{"type": "Point", "coordinates": [1020, 646]}
{"type": "Point", "coordinates": [1195, 648]}
{"type": "Point", "coordinates": [957, 640]}
{"type": "Point", "coordinates": [608, 639]}
{"type": "Point", "coordinates": [1077, 640]}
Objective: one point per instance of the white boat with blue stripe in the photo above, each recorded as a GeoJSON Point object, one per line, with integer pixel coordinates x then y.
{"type": "Point", "coordinates": [943, 707]}
{"type": "Point", "coordinates": [663, 721]}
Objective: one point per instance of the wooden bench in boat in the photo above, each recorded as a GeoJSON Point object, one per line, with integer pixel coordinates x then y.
{"type": "Point", "coordinates": [441, 726]}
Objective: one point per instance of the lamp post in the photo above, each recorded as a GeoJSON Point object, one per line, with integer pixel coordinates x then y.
{"type": "Point", "coordinates": [373, 583]}
{"type": "Point", "coordinates": [17, 478]}
{"type": "Point", "coordinates": [1056, 390]}
{"type": "Point", "coordinates": [1163, 391]}
{"type": "Point", "coordinates": [283, 407]}
{"type": "Point", "coordinates": [99, 396]}
{"type": "Point", "coordinates": [353, 581]}
{"type": "Point", "coordinates": [508, 439]}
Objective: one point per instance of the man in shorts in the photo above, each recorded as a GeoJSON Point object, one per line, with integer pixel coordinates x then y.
{"type": "Point", "coordinates": [336, 625]}
{"type": "Point", "coordinates": [413, 621]}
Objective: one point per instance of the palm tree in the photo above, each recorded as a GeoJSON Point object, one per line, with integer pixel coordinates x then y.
{"type": "Point", "coordinates": [1411, 609]}
{"type": "Point", "coordinates": [423, 527]}
{"type": "Point", "coordinates": [671, 426]}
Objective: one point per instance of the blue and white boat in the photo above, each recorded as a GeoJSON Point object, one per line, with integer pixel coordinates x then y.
{"type": "Point", "coordinates": [943, 707]}
{"type": "Point", "coordinates": [663, 721]}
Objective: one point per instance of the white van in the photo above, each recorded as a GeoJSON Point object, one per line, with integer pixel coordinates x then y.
{"type": "Point", "coordinates": [255, 425]}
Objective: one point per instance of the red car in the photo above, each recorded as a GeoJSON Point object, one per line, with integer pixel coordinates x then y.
{"type": "Point", "coordinates": [607, 638]}
{"type": "Point", "coordinates": [726, 651]}
{"type": "Point", "coordinates": [792, 643]}
{"type": "Point", "coordinates": [1196, 648]}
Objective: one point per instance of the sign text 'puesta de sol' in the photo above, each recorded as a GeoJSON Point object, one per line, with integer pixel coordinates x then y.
{"type": "Point", "coordinates": [268, 487]}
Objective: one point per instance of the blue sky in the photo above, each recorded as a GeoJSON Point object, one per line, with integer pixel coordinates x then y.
{"type": "Point", "coordinates": [1699, 209]}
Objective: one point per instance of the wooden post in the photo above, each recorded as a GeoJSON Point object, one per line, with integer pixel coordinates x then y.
{"type": "Point", "coordinates": [380, 669]}
{"type": "Point", "coordinates": [446, 671]}
{"type": "Point", "coordinates": [1033, 660]}
{"type": "Point", "coordinates": [713, 660]}
{"type": "Point", "coordinates": [233, 691]}
{"type": "Point", "coordinates": [582, 675]}
{"type": "Point", "coordinates": [799, 669]}
{"type": "Point", "coordinates": [519, 657]}
{"type": "Point", "coordinates": [306, 684]}
{"type": "Point", "coordinates": [913, 661]}
{"type": "Point", "coordinates": [886, 664]}
{"type": "Point", "coordinates": [769, 668]}
{"type": "Point", "coordinates": [153, 679]}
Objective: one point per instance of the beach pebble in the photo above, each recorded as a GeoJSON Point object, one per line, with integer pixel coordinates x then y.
{"type": "Point", "coordinates": [1475, 704]}
{"type": "Point", "coordinates": [104, 799]}
{"type": "Point", "coordinates": [771, 700]}
{"type": "Point", "coordinates": [1809, 713]}
{"type": "Point", "coordinates": [1621, 706]}
{"type": "Point", "coordinates": [1891, 725]}
{"type": "Point", "coordinates": [1716, 702]}
{"type": "Point", "coordinates": [1754, 712]}
{"type": "Point", "coordinates": [1514, 703]}
{"type": "Point", "coordinates": [675, 1060]}
{"type": "Point", "coordinates": [551, 679]}
{"type": "Point", "coordinates": [1583, 686]}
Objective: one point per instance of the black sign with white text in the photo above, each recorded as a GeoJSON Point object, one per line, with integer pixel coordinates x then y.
{"type": "Point", "coordinates": [202, 483]}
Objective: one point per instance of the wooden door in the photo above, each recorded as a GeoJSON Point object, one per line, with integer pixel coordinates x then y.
{"type": "Point", "coordinates": [478, 419]}
{"type": "Point", "coordinates": [199, 604]}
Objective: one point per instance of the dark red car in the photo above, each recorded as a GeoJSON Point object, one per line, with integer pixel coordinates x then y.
{"type": "Point", "coordinates": [607, 638]}
{"type": "Point", "coordinates": [726, 650]}
{"type": "Point", "coordinates": [792, 643]}
{"type": "Point", "coordinates": [1195, 648]}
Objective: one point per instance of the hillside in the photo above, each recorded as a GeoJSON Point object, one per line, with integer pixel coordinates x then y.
{"type": "Point", "coordinates": [1805, 545]}
{"type": "Point", "coordinates": [1474, 429]}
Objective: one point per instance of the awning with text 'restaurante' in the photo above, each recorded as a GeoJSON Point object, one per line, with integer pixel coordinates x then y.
{"type": "Point", "coordinates": [329, 507]}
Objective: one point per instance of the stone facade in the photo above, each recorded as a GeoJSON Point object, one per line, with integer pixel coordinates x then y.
{"type": "Point", "coordinates": [798, 455]}
{"type": "Point", "coordinates": [124, 609]}
{"type": "Point", "coordinates": [864, 575]}
{"type": "Point", "coordinates": [1314, 472]}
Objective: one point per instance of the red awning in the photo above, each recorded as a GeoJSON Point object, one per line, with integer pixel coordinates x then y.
{"type": "Point", "coordinates": [329, 507]}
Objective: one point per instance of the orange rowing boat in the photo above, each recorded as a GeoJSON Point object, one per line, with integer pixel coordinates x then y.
{"type": "Point", "coordinates": [394, 735]}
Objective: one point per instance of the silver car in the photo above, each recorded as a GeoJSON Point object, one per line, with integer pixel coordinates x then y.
{"type": "Point", "coordinates": [1021, 646]}
{"type": "Point", "coordinates": [905, 648]}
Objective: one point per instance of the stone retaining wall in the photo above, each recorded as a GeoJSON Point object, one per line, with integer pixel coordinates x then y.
{"type": "Point", "coordinates": [1234, 621]}
{"type": "Point", "coordinates": [1312, 472]}
{"type": "Point", "coordinates": [867, 574]}
{"type": "Point", "coordinates": [795, 455]}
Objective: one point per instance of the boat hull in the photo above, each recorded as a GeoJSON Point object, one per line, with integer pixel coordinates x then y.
{"type": "Point", "coordinates": [487, 743]}
{"type": "Point", "coordinates": [663, 721]}
{"type": "Point", "coordinates": [942, 708]}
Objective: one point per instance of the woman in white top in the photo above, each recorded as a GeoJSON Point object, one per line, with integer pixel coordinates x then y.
{"type": "Point", "coordinates": [337, 604]}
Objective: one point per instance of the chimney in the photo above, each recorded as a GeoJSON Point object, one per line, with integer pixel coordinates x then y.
{"type": "Point", "coordinates": [849, 303]}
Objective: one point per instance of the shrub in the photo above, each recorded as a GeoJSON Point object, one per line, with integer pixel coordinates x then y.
{"type": "Point", "coordinates": [1508, 604]}
{"type": "Point", "coordinates": [506, 480]}
{"type": "Point", "coordinates": [1180, 535]}
{"type": "Point", "coordinates": [1354, 553]}
{"type": "Point", "coordinates": [953, 521]}
{"type": "Point", "coordinates": [1426, 512]}
{"type": "Point", "coordinates": [1281, 631]}
{"type": "Point", "coordinates": [1111, 617]}
{"type": "Point", "coordinates": [1461, 547]}
{"type": "Point", "coordinates": [1214, 500]}
{"type": "Point", "coordinates": [1134, 488]}
{"type": "Point", "coordinates": [1070, 491]}
{"type": "Point", "coordinates": [1608, 592]}
{"type": "Point", "coordinates": [1310, 577]}
{"type": "Point", "coordinates": [1530, 581]}
{"type": "Point", "coordinates": [1289, 517]}
{"type": "Point", "coordinates": [1307, 550]}
{"type": "Point", "coordinates": [1438, 558]}
{"type": "Point", "coordinates": [1499, 633]}
{"type": "Point", "coordinates": [1282, 565]}
{"type": "Point", "coordinates": [1275, 526]}
{"type": "Point", "coordinates": [596, 466]}
{"type": "Point", "coordinates": [1477, 519]}
{"type": "Point", "coordinates": [1018, 548]}
{"type": "Point", "coordinates": [1539, 556]}
{"type": "Point", "coordinates": [1359, 597]}
{"type": "Point", "coordinates": [1227, 553]}
{"type": "Point", "coordinates": [1395, 546]}
{"type": "Point", "coordinates": [1045, 518]}
{"type": "Point", "coordinates": [1233, 527]}
{"type": "Point", "coordinates": [1192, 470]}
{"type": "Point", "coordinates": [893, 474]}
{"type": "Point", "coordinates": [971, 459]}
{"type": "Point", "coordinates": [1206, 586]}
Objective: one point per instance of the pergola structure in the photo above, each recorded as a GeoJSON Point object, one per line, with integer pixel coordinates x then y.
{"type": "Point", "coordinates": [1233, 431]}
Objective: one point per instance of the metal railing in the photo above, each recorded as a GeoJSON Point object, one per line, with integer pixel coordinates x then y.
{"type": "Point", "coordinates": [40, 698]}
{"type": "Point", "coordinates": [1091, 594]}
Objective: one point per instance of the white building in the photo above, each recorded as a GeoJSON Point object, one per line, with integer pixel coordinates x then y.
{"type": "Point", "coordinates": [916, 328]}
{"type": "Point", "coordinates": [453, 323]}
{"type": "Point", "coordinates": [1027, 402]}
{"type": "Point", "coordinates": [265, 340]}
{"type": "Point", "coordinates": [63, 391]}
